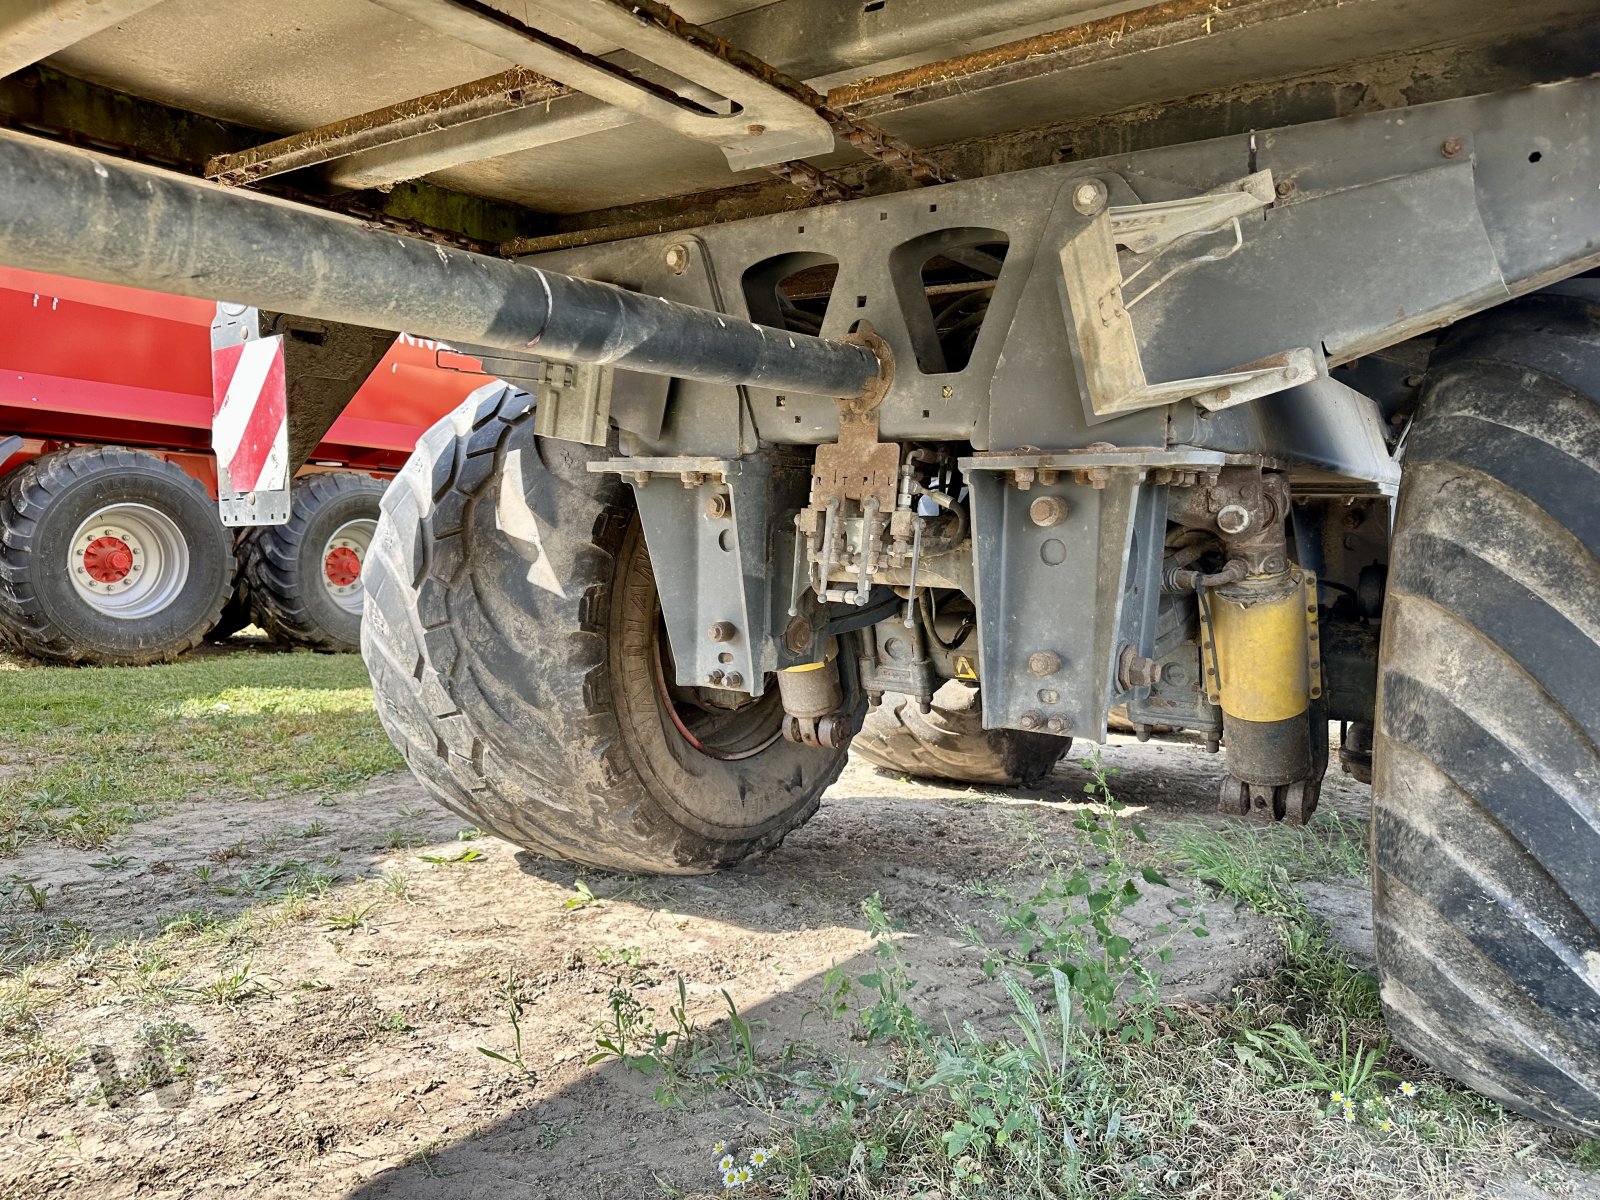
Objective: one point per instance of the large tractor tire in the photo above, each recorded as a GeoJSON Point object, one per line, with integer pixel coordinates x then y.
{"type": "Point", "coordinates": [950, 743]}
{"type": "Point", "coordinates": [302, 579]}
{"type": "Point", "coordinates": [520, 664]}
{"type": "Point", "coordinates": [109, 556]}
{"type": "Point", "coordinates": [236, 612]}
{"type": "Point", "coordinates": [1486, 792]}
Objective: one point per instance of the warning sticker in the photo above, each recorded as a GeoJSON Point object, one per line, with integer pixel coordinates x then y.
{"type": "Point", "coordinates": [964, 668]}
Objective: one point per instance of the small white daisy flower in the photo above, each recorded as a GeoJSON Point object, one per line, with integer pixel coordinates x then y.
{"type": "Point", "coordinates": [743, 1174]}
{"type": "Point", "coordinates": [759, 1156]}
{"type": "Point", "coordinates": [1386, 1126]}
{"type": "Point", "coordinates": [730, 1179]}
{"type": "Point", "coordinates": [1408, 1089]}
{"type": "Point", "coordinates": [725, 1164]}
{"type": "Point", "coordinates": [719, 1147]}
{"type": "Point", "coordinates": [1337, 1097]}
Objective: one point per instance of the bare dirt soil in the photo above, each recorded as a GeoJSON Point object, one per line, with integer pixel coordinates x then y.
{"type": "Point", "coordinates": [288, 997]}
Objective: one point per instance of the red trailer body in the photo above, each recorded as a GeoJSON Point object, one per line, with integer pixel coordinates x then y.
{"type": "Point", "coordinates": [111, 554]}
{"type": "Point", "coordinates": [96, 363]}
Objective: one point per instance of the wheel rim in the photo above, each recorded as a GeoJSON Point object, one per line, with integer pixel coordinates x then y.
{"type": "Point", "coordinates": [128, 561]}
{"type": "Point", "coordinates": [341, 561]}
{"type": "Point", "coordinates": [740, 731]}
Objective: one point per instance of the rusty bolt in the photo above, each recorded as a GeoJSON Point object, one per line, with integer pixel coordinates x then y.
{"type": "Point", "coordinates": [1022, 478]}
{"type": "Point", "coordinates": [1031, 719]}
{"type": "Point", "coordinates": [1058, 725]}
{"type": "Point", "coordinates": [1413, 380]}
{"type": "Point", "coordinates": [734, 680]}
{"type": "Point", "coordinates": [1452, 147]}
{"type": "Point", "coordinates": [1284, 189]}
{"type": "Point", "coordinates": [1047, 511]}
{"type": "Point", "coordinates": [1044, 662]}
{"type": "Point", "coordinates": [677, 258]}
{"type": "Point", "coordinates": [722, 631]}
{"type": "Point", "coordinates": [714, 679]}
{"type": "Point", "coordinates": [718, 506]}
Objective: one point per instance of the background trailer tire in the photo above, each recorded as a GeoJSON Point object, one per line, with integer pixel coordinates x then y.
{"type": "Point", "coordinates": [303, 579]}
{"type": "Point", "coordinates": [109, 556]}
{"type": "Point", "coordinates": [519, 663]}
{"type": "Point", "coordinates": [1486, 818]}
{"type": "Point", "coordinates": [950, 742]}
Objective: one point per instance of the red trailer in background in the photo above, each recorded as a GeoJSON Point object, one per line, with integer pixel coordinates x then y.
{"type": "Point", "coordinates": [111, 550]}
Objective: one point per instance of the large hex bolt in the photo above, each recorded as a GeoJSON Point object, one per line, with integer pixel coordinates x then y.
{"type": "Point", "coordinates": [1059, 725]}
{"type": "Point", "coordinates": [677, 258]}
{"type": "Point", "coordinates": [1044, 662]}
{"type": "Point", "coordinates": [1046, 511]}
{"type": "Point", "coordinates": [1031, 719]}
{"type": "Point", "coordinates": [722, 631]}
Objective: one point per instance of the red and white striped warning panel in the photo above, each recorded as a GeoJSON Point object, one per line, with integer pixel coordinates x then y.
{"type": "Point", "coordinates": [249, 416]}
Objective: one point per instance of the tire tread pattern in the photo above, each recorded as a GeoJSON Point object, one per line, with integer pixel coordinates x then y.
{"type": "Point", "coordinates": [507, 715]}
{"type": "Point", "coordinates": [1486, 816]}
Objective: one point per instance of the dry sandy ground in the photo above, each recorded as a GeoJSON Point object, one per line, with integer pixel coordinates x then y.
{"type": "Point", "coordinates": [319, 1089]}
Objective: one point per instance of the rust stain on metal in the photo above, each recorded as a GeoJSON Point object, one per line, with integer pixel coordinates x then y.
{"type": "Point", "coordinates": [690, 219]}
{"type": "Point", "coordinates": [505, 92]}
{"type": "Point", "coordinates": [875, 143]}
{"type": "Point", "coordinates": [1143, 29]}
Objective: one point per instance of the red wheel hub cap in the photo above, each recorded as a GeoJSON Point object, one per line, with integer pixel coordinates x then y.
{"type": "Point", "coordinates": [107, 559]}
{"type": "Point", "coordinates": [343, 566]}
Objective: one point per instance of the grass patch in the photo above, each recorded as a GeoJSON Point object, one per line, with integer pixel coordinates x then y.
{"type": "Point", "coordinates": [87, 751]}
{"type": "Point", "coordinates": [1090, 1085]}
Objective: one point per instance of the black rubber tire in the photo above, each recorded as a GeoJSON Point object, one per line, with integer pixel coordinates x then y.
{"type": "Point", "coordinates": [44, 502]}
{"type": "Point", "coordinates": [951, 743]}
{"type": "Point", "coordinates": [282, 565]}
{"type": "Point", "coordinates": [511, 633]}
{"type": "Point", "coordinates": [235, 616]}
{"type": "Point", "coordinates": [236, 612]}
{"type": "Point", "coordinates": [1486, 788]}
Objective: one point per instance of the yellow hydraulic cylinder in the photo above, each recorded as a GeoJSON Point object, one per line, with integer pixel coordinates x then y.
{"type": "Point", "coordinates": [1263, 669]}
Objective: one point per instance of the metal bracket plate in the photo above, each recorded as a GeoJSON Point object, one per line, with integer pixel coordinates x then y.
{"type": "Point", "coordinates": [574, 402]}
{"type": "Point", "coordinates": [711, 531]}
{"type": "Point", "coordinates": [1098, 322]}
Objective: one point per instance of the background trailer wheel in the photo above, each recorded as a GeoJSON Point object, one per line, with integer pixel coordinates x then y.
{"type": "Point", "coordinates": [520, 665]}
{"type": "Point", "coordinates": [303, 579]}
{"type": "Point", "coordinates": [109, 556]}
{"type": "Point", "coordinates": [1486, 828]}
{"type": "Point", "coordinates": [950, 742]}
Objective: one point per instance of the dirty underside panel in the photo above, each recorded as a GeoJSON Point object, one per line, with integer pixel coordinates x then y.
{"type": "Point", "coordinates": [301, 63]}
